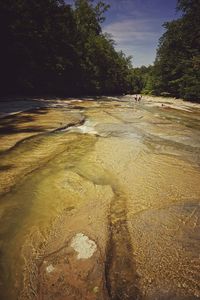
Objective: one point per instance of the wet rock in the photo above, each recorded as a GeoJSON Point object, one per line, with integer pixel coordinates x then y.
{"type": "Point", "coordinates": [72, 247]}
{"type": "Point", "coordinates": [83, 246]}
{"type": "Point", "coordinates": [64, 275]}
{"type": "Point", "coordinates": [96, 289]}
{"type": "Point", "coordinates": [50, 269]}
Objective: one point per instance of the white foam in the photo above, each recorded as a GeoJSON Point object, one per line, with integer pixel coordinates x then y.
{"type": "Point", "coordinates": [87, 127]}
{"type": "Point", "coordinates": [76, 100]}
{"type": "Point", "coordinates": [114, 98]}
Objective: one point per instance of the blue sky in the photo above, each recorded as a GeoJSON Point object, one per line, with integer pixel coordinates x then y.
{"type": "Point", "coordinates": [136, 26]}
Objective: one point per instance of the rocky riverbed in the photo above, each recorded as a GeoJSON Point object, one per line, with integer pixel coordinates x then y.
{"type": "Point", "coordinates": [100, 199]}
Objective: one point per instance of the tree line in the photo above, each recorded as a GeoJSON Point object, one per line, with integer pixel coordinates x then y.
{"type": "Point", "coordinates": [176, 71]}
{"type": "Point", "coordinates": [51, 47]}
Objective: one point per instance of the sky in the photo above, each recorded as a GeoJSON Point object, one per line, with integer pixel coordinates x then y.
{"type": "Point", "coordinates": [136, 26]}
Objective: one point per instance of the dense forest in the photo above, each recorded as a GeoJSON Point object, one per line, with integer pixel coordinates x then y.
{"type": "Point", "coordinates": [176, 71]}
{"type": "Point", "coordinates": [50, 47]}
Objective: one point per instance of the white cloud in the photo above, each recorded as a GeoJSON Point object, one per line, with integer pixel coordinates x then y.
{"type": "Point", "coordinates": [134, 31]}
{"type": "Point", "coordinates": [136, 37]}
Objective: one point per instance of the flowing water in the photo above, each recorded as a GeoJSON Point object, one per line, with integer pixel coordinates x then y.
{"type": "Point", "coordinates": [100, 199]}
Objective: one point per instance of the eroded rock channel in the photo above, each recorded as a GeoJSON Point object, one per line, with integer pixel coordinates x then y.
{"type": "Point", "coordinates": [120, 267]}
{"type": "Point", "coordinates": [100, 200]}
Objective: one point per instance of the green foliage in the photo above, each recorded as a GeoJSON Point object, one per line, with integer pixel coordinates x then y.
{"type": "Point", "coordinates": [176, 69]}
{"type": "Point", "coordinates": [138, 78]}
{"type": "Point", "coordinates": [38, 48]}
{"type": "Point", "coordinates": [50, 47]}
{"type": "Point", "coordinates": [149, 82]}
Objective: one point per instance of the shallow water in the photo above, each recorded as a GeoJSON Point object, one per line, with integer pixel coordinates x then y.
{"type": "Point", "coordinates": [127, 179]}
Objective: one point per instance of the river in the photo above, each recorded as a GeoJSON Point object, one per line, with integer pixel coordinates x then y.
{"type": "Point", "coordinates": [100, 199]}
